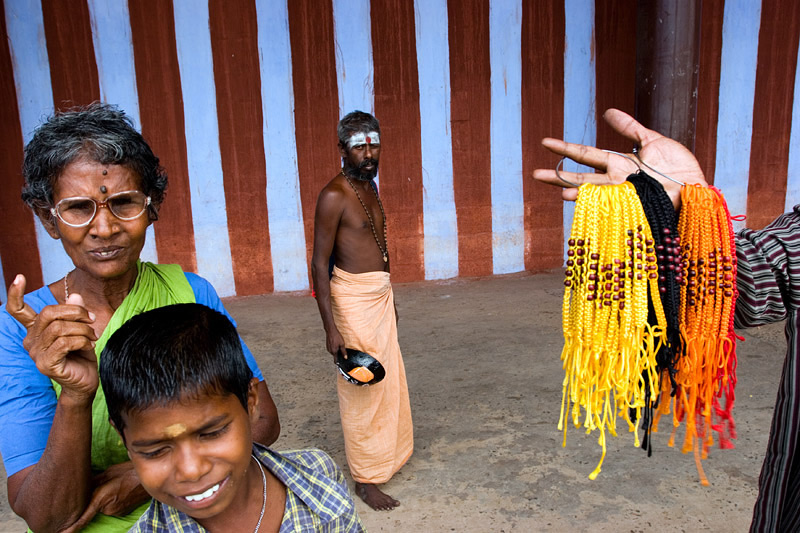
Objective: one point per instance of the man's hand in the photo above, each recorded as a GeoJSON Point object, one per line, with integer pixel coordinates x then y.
{"type": "Point", "coordinates": [60, 341]}
{"type": "Point", "coordinates": [661, 153]}
{"type": "Point", "coordinates": [328, 214]}
{"type": "Point", "coordinates": [117, 492]}
{"type": "Point", "coordinates": [335, 343]}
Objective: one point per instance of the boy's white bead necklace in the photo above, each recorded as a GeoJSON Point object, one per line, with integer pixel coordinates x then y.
{"type": "Point", "coordinates": [264, 501]}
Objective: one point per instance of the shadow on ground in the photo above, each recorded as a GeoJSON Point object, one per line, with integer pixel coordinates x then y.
{"type": "Point", "coordinates": [482, 358]}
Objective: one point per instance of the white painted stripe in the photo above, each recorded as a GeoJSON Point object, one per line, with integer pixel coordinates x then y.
{"type": "Point", "coordinates": [287, 239]}
{"type": "Point", "coordinates": [3, 293]}
{"type": "Point", "coordinates": [793, 173]}
{"type": "Point", "coordinates": [580, 88]}
{"type": "Point", "coordinates": [25, 25]}
{"type": "Point", "coordinates": [193, 39]}
{"type": "Point", "coordinates": [113, 50]}
{"type": "Point", "coordinates": [353, 35]}
{"type": "Point", "coordinates": [737, 86]}
{"type": "Point", "coordinates": [438, 198]}
{"type": "Point", "coordinates": [508, 212]}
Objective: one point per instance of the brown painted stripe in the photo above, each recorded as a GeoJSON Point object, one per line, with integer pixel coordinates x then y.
{"type": "Point", "coordinates": [18, 248]}
{"type": "Point", "coordinates": [234, 44]}
{"type": "Point", "coordinates": [708, 85]}
{"type": "Point", "coordinates": [772, 124]}
{"type": "Point", "coordinates": [542, 116]}
{"type": "Point", "coordinates": [161, 111]}
{"type": "Point", "coordinates": [394, 57]}
{"type": "Point", "coordinates": [316, 100]}
{"type": "Point", "coordinates": [470, 115]}
{"type": "Point", "coordinates": [73, 69]}
{"type": "Point", "coordinates": [615, 65]}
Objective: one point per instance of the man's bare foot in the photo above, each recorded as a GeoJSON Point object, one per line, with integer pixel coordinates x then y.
{"type": "Point", "coordinates": [376, 499]}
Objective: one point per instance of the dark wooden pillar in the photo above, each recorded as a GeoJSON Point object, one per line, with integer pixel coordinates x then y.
{"type": "Point", "coordinates": [667, 65]}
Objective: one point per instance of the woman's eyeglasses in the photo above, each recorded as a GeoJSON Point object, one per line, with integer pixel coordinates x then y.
{"type": "Point", "coordinates": [79, 211]}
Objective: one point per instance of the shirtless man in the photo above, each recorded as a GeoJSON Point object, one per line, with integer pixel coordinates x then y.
{"type": "Point", "coordinates": [357, 309]}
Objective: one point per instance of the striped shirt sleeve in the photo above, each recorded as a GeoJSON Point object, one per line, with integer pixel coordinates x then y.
{"type": "Point", "coordinates": [768, 260]}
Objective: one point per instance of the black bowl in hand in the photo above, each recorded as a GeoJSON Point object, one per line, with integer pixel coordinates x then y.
{"type": "Point", "coordinates": [360, 368]}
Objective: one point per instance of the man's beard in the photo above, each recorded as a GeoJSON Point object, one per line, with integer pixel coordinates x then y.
{"type": "Point", "coordinates": [360, 173]}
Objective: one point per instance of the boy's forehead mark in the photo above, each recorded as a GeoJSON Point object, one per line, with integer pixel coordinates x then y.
{"type": "Point", "coordinates": [174, 430]}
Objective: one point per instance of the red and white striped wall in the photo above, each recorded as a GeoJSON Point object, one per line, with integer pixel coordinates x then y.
{"type": "Point", "coordinates": [240, 99]}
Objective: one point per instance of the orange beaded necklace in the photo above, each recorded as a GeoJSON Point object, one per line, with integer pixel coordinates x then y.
{"type": "Point", "coordinates": [706, 369]}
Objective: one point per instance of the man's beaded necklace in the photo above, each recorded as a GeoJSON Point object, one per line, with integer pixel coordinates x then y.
{"type": "Point", "coordinates": [384, 249]}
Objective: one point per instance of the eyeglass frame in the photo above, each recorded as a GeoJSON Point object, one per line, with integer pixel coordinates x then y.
{"type": "Point", "coordinates": [97, 205]}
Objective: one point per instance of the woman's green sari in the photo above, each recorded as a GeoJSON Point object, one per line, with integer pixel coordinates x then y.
{"type": "Point", "coordinates": [156, 286]}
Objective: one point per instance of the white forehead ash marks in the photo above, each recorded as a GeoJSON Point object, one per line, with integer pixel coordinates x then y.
{"type": "Point", "coordinates": [175, 430]}
{"type": "Point", "coordinates": [358, 139]}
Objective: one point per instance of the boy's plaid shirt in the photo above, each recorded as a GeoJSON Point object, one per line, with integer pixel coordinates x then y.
{"type": "Point", "coordinates": [317, 497]}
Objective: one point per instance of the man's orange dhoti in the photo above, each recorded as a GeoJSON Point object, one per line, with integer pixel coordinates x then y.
{"type": "Point", "coordinates": [376, 419]}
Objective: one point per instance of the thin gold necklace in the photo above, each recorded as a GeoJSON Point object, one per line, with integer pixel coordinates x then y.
{"type": "Point", "coordinates": [384, 250]}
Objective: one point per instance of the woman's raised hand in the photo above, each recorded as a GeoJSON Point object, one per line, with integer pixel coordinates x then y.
{"type": "Point", "coordinates": [661, 153]}
{"type": "Point", "coordinates": [60, 341]}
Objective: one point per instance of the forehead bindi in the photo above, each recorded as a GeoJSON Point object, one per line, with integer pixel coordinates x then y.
{"type": "Point", "coordinates": [175, 430]}
{"type": "Point", "coordinates": [363, 138]}
{"type": "Point", "coordinates": [155, 425]}
{"type": "Point", "coordinates": [186, 417]}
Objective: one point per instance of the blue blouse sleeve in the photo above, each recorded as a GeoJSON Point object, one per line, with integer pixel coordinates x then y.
{"type": "Point", "coordinates": [27, 398]}
{"type": "Point", "coordinates": [205, 294]}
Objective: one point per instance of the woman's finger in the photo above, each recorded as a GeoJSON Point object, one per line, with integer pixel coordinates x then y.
{"type": "Point", "coordinates": [66, 328]}
{"type": "Point", "coordinates": [68, 345]}
{"type": "Point", "coordinates": [16, 305]}
{"type": "Point", "coordinates": [77, 300]}
{"type": "Point", "coordinates": [73, 310]}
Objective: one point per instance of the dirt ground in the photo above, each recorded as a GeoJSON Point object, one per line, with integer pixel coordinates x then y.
{"type": "Point", "coordinates": [482, 359]}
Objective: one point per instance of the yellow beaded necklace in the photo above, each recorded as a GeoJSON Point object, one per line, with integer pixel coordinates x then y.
{"type": "Point", "coordinates": [609, 348]}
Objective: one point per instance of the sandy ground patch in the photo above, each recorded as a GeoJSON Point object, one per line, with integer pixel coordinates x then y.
{"type": "Point", "coordinates": [482, 358]}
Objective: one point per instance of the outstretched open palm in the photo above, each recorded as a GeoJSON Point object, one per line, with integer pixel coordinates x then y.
{"type": "Point", "coordinates": [659, 152]}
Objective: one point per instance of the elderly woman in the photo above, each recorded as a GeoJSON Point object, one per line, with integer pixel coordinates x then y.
{"type": "Point", "coordinates": [96, 185]}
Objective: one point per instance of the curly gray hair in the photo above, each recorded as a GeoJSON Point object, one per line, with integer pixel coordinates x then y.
{"type": "Point", "coordinates": [99, 132]}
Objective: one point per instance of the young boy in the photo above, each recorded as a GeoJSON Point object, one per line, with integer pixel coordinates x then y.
{"type": "Point", "coordinates": [183, 399]}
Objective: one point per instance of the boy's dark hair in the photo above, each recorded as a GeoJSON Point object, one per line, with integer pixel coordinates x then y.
{"type": "Point", "coordinates": [171, 353]}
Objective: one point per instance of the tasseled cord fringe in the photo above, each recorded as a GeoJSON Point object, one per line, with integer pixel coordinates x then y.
{"type": "Point", "coordinates": [610, 349]}
{"type": "Point", "coordinates": [663, 222]}
{"type": "Point", "coordinates": [619, 338]}
{"type": "Point", "coordinates": [706, 366]}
